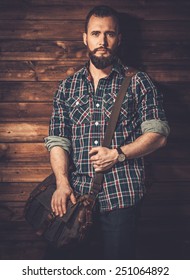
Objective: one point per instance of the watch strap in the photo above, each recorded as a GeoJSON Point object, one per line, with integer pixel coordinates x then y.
{"type": "Point", "coordinates": [120, 150]}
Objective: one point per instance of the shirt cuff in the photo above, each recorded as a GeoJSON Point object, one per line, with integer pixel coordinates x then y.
{"type": "Point", "coordinates": [156, 126]}
{"type": "Point", "coordinates": [52, 141]}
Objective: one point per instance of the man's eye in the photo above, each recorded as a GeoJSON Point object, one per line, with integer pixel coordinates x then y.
{"type": "Point", "coordinates": [95, 33]}
{"type": "Point", "coordinates": [111, 34]}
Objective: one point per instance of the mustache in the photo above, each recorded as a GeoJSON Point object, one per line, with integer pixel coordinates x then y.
{"type": "Point", "coordinates": [100, 49]}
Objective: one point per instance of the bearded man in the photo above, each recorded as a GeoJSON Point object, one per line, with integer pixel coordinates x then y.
{"type": "Point", "coordinates": [82, 108]}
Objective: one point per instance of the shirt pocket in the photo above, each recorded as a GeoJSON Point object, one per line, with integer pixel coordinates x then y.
{"type": "Point", "coordinates": [79, 110]}
{"type": "Point", "coordinates": [108, 105]}
{"type": "Point", "coordinates": [126, 110]}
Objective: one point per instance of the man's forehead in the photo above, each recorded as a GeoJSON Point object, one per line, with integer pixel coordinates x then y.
{"type": "Point", "coordinates": [100, 22]}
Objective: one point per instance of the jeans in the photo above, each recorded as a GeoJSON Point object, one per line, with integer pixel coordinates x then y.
{"type": "Point", "coordinates": [119, 229]}
{"type": "Point", "coordinates": [112, 237]}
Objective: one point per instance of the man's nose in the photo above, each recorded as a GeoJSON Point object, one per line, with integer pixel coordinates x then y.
{"type": "Point", "coordinates": [103, 41]}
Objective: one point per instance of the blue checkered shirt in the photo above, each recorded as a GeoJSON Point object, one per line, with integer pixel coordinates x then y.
{"type": "Point", "coordinates": [81, 115]}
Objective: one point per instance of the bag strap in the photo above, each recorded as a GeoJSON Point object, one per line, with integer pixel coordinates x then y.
{"type": "Point", "coordinates": [98, 178]}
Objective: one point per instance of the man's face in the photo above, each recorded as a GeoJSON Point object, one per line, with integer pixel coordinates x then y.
{"type": "Point", "coordinates": [102, 40]}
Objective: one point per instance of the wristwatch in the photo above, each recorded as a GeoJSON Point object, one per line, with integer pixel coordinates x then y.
{"type": "Point", "coordinates": [121, 156]}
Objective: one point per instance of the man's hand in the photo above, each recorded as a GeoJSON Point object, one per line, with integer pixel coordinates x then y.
{"type": "Point", "coordinates": [60, 197]}
{"type": "Point", "coordinates": [103, 158]}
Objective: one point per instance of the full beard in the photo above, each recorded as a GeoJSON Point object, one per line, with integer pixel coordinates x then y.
{"type": "Point", "coordinates": [101, 62]}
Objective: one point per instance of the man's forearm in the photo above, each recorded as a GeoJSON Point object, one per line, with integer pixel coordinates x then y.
{"type": "Point", "coordinates": [144, 145]}
{"type": "Point", "coordinates": [59, 162]}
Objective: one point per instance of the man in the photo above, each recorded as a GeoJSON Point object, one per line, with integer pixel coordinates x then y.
{"type": "Point", "coordinates": [82, 107]}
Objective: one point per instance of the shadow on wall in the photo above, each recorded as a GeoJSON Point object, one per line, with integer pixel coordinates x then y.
{"type": "Point", "coordinates": [164, 235]}
{"type": "Point", "coordinates": [129, 50]}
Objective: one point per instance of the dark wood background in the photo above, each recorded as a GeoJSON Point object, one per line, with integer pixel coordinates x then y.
{"type": "Point", "coordinates": [41, 43]}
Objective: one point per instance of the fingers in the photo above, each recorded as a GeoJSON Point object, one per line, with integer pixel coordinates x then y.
{"type": "Point", "coordinates": [94, 150]}
{"type": "Point", "coordinates": [98, 168]}
{"type": "Point", "coordinates": [102, 167]}
{"type": "Point", "coordinates": [59, 202]}
{"type": "Point", "coordinates": [94, 153]}
{"type": "Point", "coordinates": [73, 198]}
{"type": "Point", "coordinates": [103, 159]}
{"type": "Point", "coordinates": [99, 165]}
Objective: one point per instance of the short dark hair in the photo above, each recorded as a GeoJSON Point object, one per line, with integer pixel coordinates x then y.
{"type": "Point", "coordinates": [102, 11]}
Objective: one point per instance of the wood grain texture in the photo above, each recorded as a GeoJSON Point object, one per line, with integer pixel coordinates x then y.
{"type": "Point", "coordinates": [58, 29]}
{"type": "Point", "coordinates": [23, 132]}
{"type": "Point", "coordinates": [26, 172]}
{"type": "Point", "coordinates": [146, 10]}
{"type": "Point", "coordinates": [41, 44]}
{"type": "Point", "coordinates": [23, 152]}
{"type": "Point", "coordinates": [27, 91]}
{"type": "Point", "coordinates": [25, 111]}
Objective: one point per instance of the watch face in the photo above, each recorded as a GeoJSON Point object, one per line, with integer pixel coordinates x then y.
{"type": "Point", "coordinates": [121, 157]}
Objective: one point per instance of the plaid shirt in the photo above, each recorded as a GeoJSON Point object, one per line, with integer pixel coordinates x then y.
{"type": "Point", "coordinates": [81, 115]}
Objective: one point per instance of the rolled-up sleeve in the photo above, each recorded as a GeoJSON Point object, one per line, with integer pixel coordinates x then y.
{"type": "Point", "coordinates": [52, 141]}
{"type": "Point", "coordinates": [156, 126]}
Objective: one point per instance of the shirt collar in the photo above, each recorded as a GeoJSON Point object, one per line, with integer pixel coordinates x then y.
{"type": "Point", "coordinates": [118, 68]}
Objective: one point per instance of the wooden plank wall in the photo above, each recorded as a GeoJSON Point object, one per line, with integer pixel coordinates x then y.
{"type": "Point", "coordinates": [41, 44]}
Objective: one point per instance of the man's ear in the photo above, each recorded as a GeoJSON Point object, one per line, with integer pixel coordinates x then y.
{"type": "Point", "coordinates": [85, 38]}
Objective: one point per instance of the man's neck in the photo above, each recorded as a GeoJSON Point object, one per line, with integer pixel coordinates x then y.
{"type": "Point", "coordinates": [98, 74]}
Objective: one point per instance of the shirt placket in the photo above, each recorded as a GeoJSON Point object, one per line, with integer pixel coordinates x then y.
{"type": "Point", "coordinates": [97, 125]}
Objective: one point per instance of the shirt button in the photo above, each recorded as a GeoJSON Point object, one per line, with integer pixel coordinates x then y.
{"type": "Point", "coordinates": [96, 142]}
{"type": "Point", "coordinates": [96, 123]}
{"type": "Point", "coordinates": [77, 103]}
{"type": "Point", "coordinates": [97, 105]}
